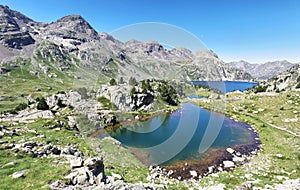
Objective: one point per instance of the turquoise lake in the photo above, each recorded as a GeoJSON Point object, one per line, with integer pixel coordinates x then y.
{"type": "Point", "coordinates": [188, 134]}
{"type": "Point", "coordinates": [191, 137]}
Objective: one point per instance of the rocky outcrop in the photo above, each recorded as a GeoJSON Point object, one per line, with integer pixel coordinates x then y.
{"type": "Point", "coordinates": [120, 96]}
{"type": "Point", "coordinates": [13, 29]}
{"type": "Point", "coordinates": [141, 96]}
{"type": "Point", "coordinates": [72, 27]}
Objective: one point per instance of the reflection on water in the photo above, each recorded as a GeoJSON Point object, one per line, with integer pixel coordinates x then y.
{"type": "Point", "coordinates": [190, 133]}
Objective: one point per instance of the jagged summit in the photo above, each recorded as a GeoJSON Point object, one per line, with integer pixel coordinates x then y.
{"type": "Point", "coordinates": [6, 11]}
{"type": "Point", "coordinates": [14, 29]}
{"type": "Point", "coordinates": [73, 17]}
{"type": "Point", "coordinates": [72, 27]}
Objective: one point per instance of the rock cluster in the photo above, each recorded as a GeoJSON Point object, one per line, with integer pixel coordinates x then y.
{"type": "Point", "coordinates": [36, 149]}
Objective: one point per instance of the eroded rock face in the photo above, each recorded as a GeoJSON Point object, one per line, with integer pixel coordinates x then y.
{"type": "Point", "coordinates": [14, 29]}
{"type": "Point", "coordinates": [121, 97]}
{"type": "Point", "coordinates": [72, 27]}
{"type": "Point", "coordinates": [17, 40]}
{"type": "Point", "coordinates": [118, 94]}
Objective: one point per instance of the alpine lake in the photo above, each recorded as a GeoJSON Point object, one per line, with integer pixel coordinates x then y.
{"type": "Point", "coordinates": [190, 138]}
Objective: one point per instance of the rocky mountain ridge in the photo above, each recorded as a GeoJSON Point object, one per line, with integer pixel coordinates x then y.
{"type": "Point", "coordinates": [288, 80]}
{"type": "Point", "coordinates": [262, 71]}
{"type": "Point", "coordinates": [70, 44]}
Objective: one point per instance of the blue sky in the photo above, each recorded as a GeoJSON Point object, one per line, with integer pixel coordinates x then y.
{"type": "Point", "coordinates": [252, 30]}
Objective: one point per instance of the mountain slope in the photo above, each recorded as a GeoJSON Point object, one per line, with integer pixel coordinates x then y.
{"type": "Point", "coordinates": [262, 71]}
{"type": "Point", "coordinates": [71, 48]}
{"type": "Point", "coordinates": [288, 80]}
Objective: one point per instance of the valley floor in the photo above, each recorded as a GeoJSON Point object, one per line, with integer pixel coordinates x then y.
{"type": "Point", "coordinates": [44, 151]}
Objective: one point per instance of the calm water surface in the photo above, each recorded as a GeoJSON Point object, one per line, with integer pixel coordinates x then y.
{"type": "Point", "coordinates": [227, 86]}
{"type": "Point", "coordinates": [186, 134]}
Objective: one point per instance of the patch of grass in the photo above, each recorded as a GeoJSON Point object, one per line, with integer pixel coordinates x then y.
{"type": "Point", "coordinates": [106, 103]}
{"type": "Point", "coordinates": [266, 166]}
{"type": "Point", "coordinates": [119, 160]}
{"type": "Point", "coordinates": [40, 171]}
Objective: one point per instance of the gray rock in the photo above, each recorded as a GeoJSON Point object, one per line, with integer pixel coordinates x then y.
{"type": "Point", "coordinates": [238, 159]}
{"type": "Point", "coordinates": [82, 177]}
{"type": "Point", "coordinates": [3, 70]}
{"type": "Point", "coordinates": [10, 164]}
{"type": "Point", "coordinates": [29, 145]}
{"type": "Point", "coordinates": [245, 186]}
{"type": "Point", "coordinates": [230, 150]}
{"type": "Point", "coordinates": [228, 164]}
{"type": "Point", "coordinates": [193, 173]}
{"type": "Point", "coordinates": [116, 176]}
{"type": "Point", "coordinates": [68, 150]}
{"type": "Point", "coordinates": [76, 163]}
{"type": "Point", "coordinates": [19, 174]}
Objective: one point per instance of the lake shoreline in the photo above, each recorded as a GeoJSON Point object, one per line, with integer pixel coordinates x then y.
{"type": "Point", "coordinates": [212, 164]}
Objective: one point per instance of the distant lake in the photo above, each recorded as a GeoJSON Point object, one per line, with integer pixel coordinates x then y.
{"type": "Point", "coordinates": [227, 86]}
{"type": "Point", "coordinates": [188, 135]}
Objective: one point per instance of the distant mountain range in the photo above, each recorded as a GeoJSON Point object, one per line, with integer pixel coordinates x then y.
{"type": "Point", "coordinates": [70, 47]}
{"type": "Point", "coordinates": [262, 71]}
{"type": "Point", "coordinates": [287, 80]}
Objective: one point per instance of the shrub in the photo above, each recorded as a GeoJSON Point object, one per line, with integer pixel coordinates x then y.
{"type": "Point", "coordinates": [83, 92]}
{"type": "Point", "coordinates": [42, 104]}
{"type": "Point", "coordinates": [298, 85]}
{"type": "Point", "coordinates": [112, 82]}
{"type": "Point", "coordinates": [21, 106]}
{"type": "Point", "coordinates": [132, 81]}
{"type": "Point", "coordinates": [121, 81]}
{"type": "Point", "coordinates": [260, 89]}
{"type": "Point", "coordinates": [146, 85]}
{"type": "Point", "coordinates": [168, 94]}
{"type": "Point", "coordinates": [132, 91]}
{"type": "Point", "coordinates": [107, 104]}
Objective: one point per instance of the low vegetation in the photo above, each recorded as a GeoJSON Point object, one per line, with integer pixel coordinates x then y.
{"type": "Point", "coordinates": [272, 116]}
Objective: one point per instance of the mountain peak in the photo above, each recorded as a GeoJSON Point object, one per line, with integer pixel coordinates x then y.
{"type": "Point", "coordinates": [73, 27]}
{"type": "Point", "coordinates": [5, 11]}
{"type": "Point", "coordinates": [73, 17]}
